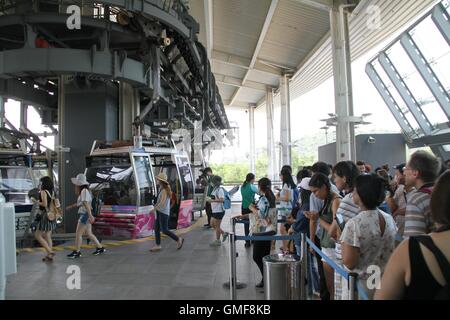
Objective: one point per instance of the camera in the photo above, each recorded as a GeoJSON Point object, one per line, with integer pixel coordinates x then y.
{"type": "Point", "coordinates": [371, 140]}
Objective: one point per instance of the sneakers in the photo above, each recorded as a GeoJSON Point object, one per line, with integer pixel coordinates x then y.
{"type": "Point", "coordinates": [225, 236]}
{"type": "Point", "coordinates": [99, 251]}
{"type": "Point", "coordinates": [207, 226]}
{"type": "Point", "coordinates": [74, 255]}
{"type": "Point", "coordinates": [215, 243]}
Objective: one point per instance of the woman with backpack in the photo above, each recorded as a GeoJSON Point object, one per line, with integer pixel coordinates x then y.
{"type": "Point", "coordinates": [419, 269]}
{"type": "Point", "coordinates": [45, 225]}
{"type": "Point", "coordinates": [217, 208]}
{"type": "Point", "coordinates": [286, 199]}
{"type": "Point", "coordinates": [86, 219]}
{"type": "Point", "coordinates": [162, 210]}
{"type": "Point", "coordinates": [263, 222]}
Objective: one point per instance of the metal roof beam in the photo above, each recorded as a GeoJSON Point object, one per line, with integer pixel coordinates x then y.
{"type": "Point", "coordinates": [236, 104]}
{"type": "Point", "coordinates": [324, 5]}
{"type": "Point", "coordinates": [262, 36]}
{"type": "Point", "coordinates": [237, 82]}
{"type": "Point", "coordinates": [242, 62]}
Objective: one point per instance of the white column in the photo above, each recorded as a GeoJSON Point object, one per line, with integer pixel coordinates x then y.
{"type": "Point", "coordinates": [252, 151]}
{"type": "Point", "coordinates": [285, 123]}
{"type": "Point", "coordinates": [271, 157]}
{"type": "Point", "coordinates": [2, 111]}
{"type": "Point", "coordinates": [345, 132]}
{"type": "Point", "coordinates": [23, 115]}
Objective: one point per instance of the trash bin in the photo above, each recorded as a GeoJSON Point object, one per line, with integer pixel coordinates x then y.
{"type": "Point", "coordinates": [282, 277]}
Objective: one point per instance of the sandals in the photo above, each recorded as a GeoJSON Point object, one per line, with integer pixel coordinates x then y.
{"type": "Point", "coordinates": [49, 257]}
{"type": "Point", "coordinates": [180, 245]}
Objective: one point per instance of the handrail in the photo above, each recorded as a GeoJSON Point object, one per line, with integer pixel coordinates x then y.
{"type": "Point", "coordinates": [356, 286]}
{"type": "Point", "coordinates": [361, 291]}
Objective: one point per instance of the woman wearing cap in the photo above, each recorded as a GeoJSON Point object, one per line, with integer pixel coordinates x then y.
{"type": "Point", "coordinates": [86, 218]}
{"type": "Point", "coordinates": [162, 209]}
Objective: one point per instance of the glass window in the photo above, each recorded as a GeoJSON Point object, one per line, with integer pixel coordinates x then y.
{"type": "Point", "coordinates": [186, 178]}
{"type": "Point", "coordinates": [164, 163]}
{"type": "Point", "coordinates": [396, 96]}
{"type": "Point", "coordinates": [145, 181]}
{"type": "Point", "coordinates": [112, 180]}
{"type": "Point", "coordinates": [434, 48]}
{"type": "Point", "coordinates": [15, 183]}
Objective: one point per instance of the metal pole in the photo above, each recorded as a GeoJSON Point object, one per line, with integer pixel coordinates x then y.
{"type": "Point", "coordinates": [232, 242]}
{"type": "Point", "coordinates": [285, 124]}
{"type": "Point", "coordinates": [304, 268]}
{"type": "Point", "coordinates": [270, 135]}
{"type": "Point", "coordinates": [251, 115]}
{"type": "Point", "coordinates": [345, 145]}
{"type": "Point", "coordinates": [2, 112]}
{"type": "Point", "coordinates": [352, 280]}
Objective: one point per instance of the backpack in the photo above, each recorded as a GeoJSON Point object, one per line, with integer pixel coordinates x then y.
{"type": "Point", "coordinates": [227, 200]}
{"type": "Point", "coordinates": [295, 197]}
{"type": "Point", "coordinates": [54, 208]}
{"type": "Point", "coordinates": [444, 265]}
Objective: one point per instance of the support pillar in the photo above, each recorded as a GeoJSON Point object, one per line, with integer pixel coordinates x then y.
{"type": "Point", "coordinates": [345, 131]}
{"type": "Point", "coordinates": [2, 111]}
{"type": "Point", "coordinates": [271, 157]}
{"type": "Point", "coordinates": [23, 116]}
{"type": "Point", "coordinates": [285, 123]}
{"type": "Point", "coordinates": [251, 116]}
{"type": "Point", "coordinates": [129, 106]}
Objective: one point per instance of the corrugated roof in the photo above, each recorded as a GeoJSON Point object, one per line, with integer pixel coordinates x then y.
{"type": "Point", "coordinates": [297, 38]}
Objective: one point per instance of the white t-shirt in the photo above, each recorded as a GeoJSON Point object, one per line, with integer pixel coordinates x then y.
{"type": "Point", "coordinates": [85, 195]}
{"type": "Point", "coordinates": [363, 232]}
{"type": "Point", "coordinates": [217, 207]}
{"type": "Point", "coordinates": [285, 207]}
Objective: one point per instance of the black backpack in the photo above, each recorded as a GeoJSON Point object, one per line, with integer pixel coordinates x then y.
{"type": "Point", "coordinates": [444, 265]}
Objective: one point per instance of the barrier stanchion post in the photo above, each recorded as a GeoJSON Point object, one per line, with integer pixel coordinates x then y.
{"type": "Point", "coordinates": [232, 242]}
{"type": "Point", "coordinates": [304, 266]}
{"type": "Point", "coordinates": [352, 283]}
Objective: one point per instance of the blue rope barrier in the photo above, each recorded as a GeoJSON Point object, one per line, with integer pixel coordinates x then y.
{"type": "Point", "coordinates": [246, 221]}
{"type": "Point", "coordinates": [266, 238]}
{"type": "Point", "coordinates": [361, 291]}
{"type": "Point", "coordinates": [330, 262]}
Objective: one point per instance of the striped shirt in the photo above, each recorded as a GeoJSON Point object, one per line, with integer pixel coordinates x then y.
{"type": "Point", "coordinates": [347, 208]}
{"type": "Point", "coordinates": [418, 214]}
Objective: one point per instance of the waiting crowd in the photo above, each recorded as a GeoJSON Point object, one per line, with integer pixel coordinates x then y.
{"type": "Point", "coordinates": [361, 219]}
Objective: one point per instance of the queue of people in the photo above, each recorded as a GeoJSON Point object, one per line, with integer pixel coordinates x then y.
{"type": "Point", "coordinates": [357, 218]}
{"type": "Point", "coordinates": [362, 220]}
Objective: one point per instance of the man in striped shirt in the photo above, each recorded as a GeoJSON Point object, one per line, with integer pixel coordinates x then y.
{"type": "Point", "coordinates": [420, 172]}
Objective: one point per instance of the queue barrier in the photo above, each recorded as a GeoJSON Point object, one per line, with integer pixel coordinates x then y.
{"type": "Point", "coordinates": [355, 286]}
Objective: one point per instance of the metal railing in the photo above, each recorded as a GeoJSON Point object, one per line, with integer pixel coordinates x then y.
{"type": "Point", "coordinates": [355, 287]}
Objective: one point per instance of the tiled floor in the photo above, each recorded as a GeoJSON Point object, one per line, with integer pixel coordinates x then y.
{"type": "Point", "coordinates": [197, 271]}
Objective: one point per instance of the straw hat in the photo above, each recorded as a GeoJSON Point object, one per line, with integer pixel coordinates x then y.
{"type": "Point", "coordinates": [162, 177]}
{"type": "Point", "coordinates": [80, 180]}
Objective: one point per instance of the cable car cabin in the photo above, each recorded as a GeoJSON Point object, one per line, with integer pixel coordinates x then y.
{"type": "Point", "coordinates": [16, 182]}
{"type": "Point", "coordinates": [122, 182]}
{"type": "Point", "coordinates": [45, 165]}
{"type": "Point", "coordinates": [175, 164]}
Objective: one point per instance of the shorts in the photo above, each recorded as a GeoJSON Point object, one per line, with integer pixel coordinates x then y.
{"type": "Point", "coordinates": [83, 218]}
{"type": "Point", "coordinates": [218, 215]}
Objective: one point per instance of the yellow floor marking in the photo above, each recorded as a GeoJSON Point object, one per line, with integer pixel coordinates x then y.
{"type": "Point", "coordinates": [119, 243]}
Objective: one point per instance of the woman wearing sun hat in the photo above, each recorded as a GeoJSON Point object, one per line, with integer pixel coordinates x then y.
{"type": "Point", "coordinates": [162, 211]}
{"type": "Point", "coordinates": [86, 219]}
